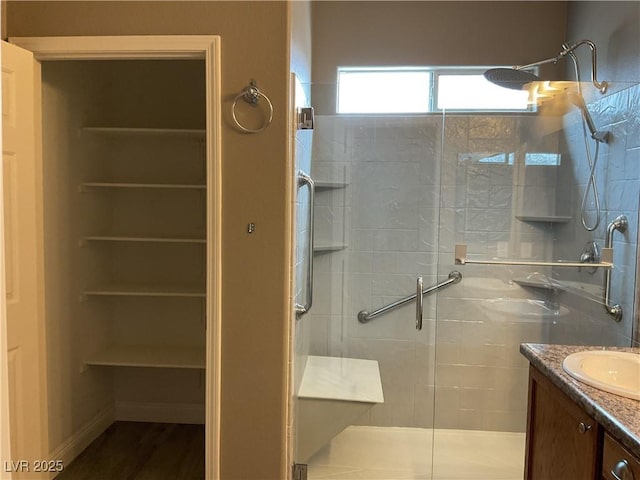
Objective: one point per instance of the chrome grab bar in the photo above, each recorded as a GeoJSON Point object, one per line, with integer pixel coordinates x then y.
{"type": "Point", "coordinates": [620, 223]}
{"type": "Point", "coordinates": [419, 302]}
{"type": "Point", "coordinates": [364, 316]}
{"type": "Point", "coordinates": [304, 179]}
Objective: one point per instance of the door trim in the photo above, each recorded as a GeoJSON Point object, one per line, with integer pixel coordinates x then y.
{"type": "Point", "coordinates": [206, 47]}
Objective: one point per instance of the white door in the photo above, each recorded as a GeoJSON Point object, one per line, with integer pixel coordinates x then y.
{"type": "Point", "coordinates": [23, 230]}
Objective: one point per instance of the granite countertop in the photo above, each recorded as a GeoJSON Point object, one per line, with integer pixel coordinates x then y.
{"type": "Point", "coordinates": [620, 416]}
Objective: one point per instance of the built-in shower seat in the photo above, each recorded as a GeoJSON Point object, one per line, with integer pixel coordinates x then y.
{"type": "Point", "coordinates": [333, 394]}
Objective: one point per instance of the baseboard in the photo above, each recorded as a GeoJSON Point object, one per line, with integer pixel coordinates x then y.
{"type": "Point", "coordinates": [193, 413]}
{"type": "Point", "coordinates": [79, 440]}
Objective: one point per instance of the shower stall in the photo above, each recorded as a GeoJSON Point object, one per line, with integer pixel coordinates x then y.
{"type": "Point", "coordinates": [487, 208]}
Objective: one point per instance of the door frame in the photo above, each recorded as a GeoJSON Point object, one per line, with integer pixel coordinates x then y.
{"type": "Point", "coordinates": [207, 48]}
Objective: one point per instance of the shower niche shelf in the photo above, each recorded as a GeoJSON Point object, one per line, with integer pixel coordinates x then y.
{"type": "Point", "coordinates": [329, 248]}
{"type": "Point", "coordinates": [544, 218]}
{"type": "Point", "coordinates": [324, 185]}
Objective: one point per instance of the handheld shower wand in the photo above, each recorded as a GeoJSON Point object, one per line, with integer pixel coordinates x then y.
{"type": "Point", "coordinates": [578, 100]}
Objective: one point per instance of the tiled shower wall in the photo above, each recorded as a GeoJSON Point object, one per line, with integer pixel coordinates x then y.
{"type": "Point", "coordinates": [618, 182]}
{"type": "Point", "coordinates": [397, 193]}
{"type": "Point", "coordinates": [391, 221]}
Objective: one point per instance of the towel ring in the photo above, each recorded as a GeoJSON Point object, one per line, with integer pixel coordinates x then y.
{"type": "Point", "coordinates": [251, 95]}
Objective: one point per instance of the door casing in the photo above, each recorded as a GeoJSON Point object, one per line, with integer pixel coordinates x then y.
{"type": "Point", "coordinates": [207, 48]}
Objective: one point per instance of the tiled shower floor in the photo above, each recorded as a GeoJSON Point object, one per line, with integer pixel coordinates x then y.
{"type": "Point", "coordinates": [393, 453]}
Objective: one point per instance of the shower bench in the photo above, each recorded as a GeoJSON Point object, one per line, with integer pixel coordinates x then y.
{"type": "Point", "coordinates": [333, 394]}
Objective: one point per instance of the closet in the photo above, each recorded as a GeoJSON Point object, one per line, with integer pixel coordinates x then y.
{"type": "Point", "coordinates": [125, 243]}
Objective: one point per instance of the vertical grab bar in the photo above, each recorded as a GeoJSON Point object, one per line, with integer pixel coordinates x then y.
{"type": "Point", "coordinates": [419, 303]}
{"type": "Point", "coordinates": [620, 223]}
{"type": "Point", "coordinates": [304, 179]}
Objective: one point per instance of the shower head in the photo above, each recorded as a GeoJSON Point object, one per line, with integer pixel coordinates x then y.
{"type": "Point", "coordinates": [518, 76]}
{"type": "Point", "coordinates": [510, 77]}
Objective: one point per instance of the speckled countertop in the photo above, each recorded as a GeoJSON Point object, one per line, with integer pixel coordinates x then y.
{"type": "Point", "coordinates": [620, 416]}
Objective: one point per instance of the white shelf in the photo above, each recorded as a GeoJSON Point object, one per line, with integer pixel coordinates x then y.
{"type": "Point", "coordinates": [147, 291]}
{"type": "Point", "coordinates": [125, 238]}
{"type": "Point", "coordinates": [183, 132]}
{"type": "Point", "coordinates": [150, 357]}
{"type": "Point", "coordinates": [544, 218]}
{"type": "Point", "coordinates": [329, 248]}
{"type": "Point", "coordinates": [184, 186]}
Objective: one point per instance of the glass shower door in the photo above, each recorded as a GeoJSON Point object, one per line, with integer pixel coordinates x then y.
{"type": "Point", "coordinates": [498, 200]}
{"type": "Point", "coordinates": [364, 374]}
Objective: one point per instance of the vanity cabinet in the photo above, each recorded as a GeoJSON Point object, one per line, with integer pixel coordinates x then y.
{"type": "Point", "coordinates": [617, 462]}
{"type": "Point", "coordinates": [562, 440]}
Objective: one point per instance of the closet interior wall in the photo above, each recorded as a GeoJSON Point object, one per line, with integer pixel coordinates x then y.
{"type": "Point", "coordinates": [125, 241]}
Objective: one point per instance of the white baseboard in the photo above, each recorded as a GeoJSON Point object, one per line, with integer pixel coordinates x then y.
{"type": "Point", "coordinates": [161, 412]}
{"type": "Point", "coordinates": [68, 450]}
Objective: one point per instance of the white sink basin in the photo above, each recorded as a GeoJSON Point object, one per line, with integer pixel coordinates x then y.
{"type": "Point", "coordinates": [613, 372]}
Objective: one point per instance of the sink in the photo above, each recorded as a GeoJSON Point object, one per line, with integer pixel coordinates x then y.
{"type": "Point", "coordinates": [613, 372]}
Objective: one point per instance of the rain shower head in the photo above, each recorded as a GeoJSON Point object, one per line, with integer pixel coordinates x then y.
{"type": "Point", "coordinates": [518, 76]}
{"type": "Point", "coordinates": [510, 77]}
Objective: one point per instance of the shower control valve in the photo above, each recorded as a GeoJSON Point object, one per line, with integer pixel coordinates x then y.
{"type": "Point", "coordinates": [591, 254]}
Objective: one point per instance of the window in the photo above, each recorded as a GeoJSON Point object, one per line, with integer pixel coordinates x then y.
{"type": "Point", "coordinates": [383, 91]}
{"type": "Point", "coordinates": [471, 91]}
{"type": "Point", "coordinates": [423, 90]}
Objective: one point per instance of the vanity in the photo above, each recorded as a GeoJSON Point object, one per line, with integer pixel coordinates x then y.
{"type": "Point", "coordinates": [576, 431]}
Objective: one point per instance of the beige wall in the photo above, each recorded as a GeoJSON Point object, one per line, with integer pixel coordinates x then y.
{"type": "Point", "coordinates": [398, 33]}
{"type": "Point", "coordinates": [256, 186]}
{"type": "Point", "coordinates": [617, 39]}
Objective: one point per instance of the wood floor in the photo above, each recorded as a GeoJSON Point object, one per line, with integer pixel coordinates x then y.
{"type": "Point", "coordinates": [142, 451]}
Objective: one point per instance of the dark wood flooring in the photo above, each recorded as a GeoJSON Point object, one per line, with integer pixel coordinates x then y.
{"type": "Point", "coordinates": [141, 451]}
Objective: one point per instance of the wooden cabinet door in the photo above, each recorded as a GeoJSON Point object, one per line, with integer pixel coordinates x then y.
{"type": "Point", "coordinates": [618, 462]}
{"type": "Point", "coordinates": [562, 440]}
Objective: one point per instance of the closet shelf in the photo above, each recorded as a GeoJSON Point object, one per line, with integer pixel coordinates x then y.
{"type": "Point", "coordinates": [150, 357]}
{"type": "Point", "coordinates": [185, 186]}
{"type": "Point", "coordinates": [147, 291]}
{"type": "Point", "coordinates": [183, 132]}
{"type": "Point", "coordinates": [127, 238]}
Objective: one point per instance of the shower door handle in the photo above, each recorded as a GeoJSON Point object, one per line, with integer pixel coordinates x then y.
{"type": "Point", "coordinates": [419, 302]}
{"type": "Point", "coordinates": [301, 309]}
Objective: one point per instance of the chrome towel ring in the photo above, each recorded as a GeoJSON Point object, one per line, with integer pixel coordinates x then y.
{"type": "Point", "coordinates": [251, 94]}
